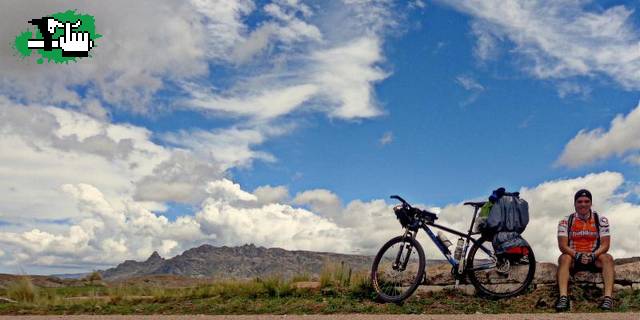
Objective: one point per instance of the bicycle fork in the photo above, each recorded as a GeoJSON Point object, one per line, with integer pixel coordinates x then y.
{"type": "Point", "coordinates": [405, 245]}
{"type": "Point", "coordinates": [459, 269]}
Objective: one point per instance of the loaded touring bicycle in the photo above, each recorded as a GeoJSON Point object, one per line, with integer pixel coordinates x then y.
{"type": "Point", "coordinates": [399, 267]}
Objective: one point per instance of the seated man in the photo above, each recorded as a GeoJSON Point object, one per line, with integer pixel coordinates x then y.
{"type": "Point", "coordinates": [583, 238]}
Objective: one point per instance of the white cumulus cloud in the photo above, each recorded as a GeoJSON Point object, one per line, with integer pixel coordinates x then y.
{"type": "Point", "coordinates": [622, 137]}
{"type": "Point", "coordinates": [111, 232]}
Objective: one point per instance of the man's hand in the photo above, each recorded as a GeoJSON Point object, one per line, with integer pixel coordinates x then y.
{"type": "Point", "coordinates": [75, 41]}
{"type": "Point", "coordinates": [584, 257]}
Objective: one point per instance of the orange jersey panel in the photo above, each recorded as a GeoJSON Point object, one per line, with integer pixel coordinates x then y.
{"type": "Point", "coordinates": [584, 235]}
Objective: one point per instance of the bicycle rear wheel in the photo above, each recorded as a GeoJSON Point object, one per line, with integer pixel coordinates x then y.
{"type": "Point", "coordinates": [398, 269]}
{"type": "Point", "coordinates": [499, 276]}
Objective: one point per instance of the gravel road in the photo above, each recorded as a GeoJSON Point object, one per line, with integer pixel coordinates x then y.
{"type": "Point", "coordinates": [539, 316]}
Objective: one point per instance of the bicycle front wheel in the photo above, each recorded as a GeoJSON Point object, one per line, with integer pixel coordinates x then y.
{"type": "Point", "coordinates": [500, 276]}
{"type": "Point", "coordinates": [398, 269]}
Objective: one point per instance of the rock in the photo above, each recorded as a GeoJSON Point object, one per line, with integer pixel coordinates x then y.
{"type": "Point", "coordinates": [628, 273]}
{"type": "Point", "coordinates": [626, 260]}
{"type": "Point", "coordinates": [545, 273]}
{"type": "Point", "coordinates": [465, 288]}
{"type": "Point", "coordinates": [6, 300]}
{"type": "Point", "coordinates": [154, 258]}
{"type": "Point", "coordinates": [431, 288]}
{"type": "Point", "coordinates": [439, 274]}
{"type": "Point", "coordinates": [586, 276]}
{"type": "Point", "coordinates": [306, 285]}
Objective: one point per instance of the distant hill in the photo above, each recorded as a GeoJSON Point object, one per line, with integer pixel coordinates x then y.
{"type": "Point", "coordinates": [70, 275]}
{"type": "Point", "coordinates": [246, 261]}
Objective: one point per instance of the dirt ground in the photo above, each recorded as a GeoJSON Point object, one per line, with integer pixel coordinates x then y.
{"type": "Point", "coordinates": [551, 316]}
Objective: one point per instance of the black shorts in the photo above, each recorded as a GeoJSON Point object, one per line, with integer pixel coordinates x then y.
{"type": "Point", "coordinates": [591, 267]}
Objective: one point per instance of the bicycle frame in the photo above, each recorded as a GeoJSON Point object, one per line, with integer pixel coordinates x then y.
{"type": "Point", "coordinates": [444, 250]}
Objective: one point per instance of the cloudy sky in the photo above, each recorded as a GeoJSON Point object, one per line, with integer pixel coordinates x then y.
{"type": "Point", "coordinates": [288, 123]}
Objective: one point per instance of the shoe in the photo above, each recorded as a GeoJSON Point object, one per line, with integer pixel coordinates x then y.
{"type": "Point", "coordinates": [607, 303]}
{"type": "Point", "coordinates": [563, 304]}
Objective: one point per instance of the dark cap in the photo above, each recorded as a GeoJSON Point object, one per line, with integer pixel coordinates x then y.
{"type": "Point", "coordinates": [582, 193]}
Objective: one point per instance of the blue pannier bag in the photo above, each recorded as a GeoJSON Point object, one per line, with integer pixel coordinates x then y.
{"type": "Point", "coordinates": [507, 219]}
{"type": "Point", "coordinates": [510, 213]}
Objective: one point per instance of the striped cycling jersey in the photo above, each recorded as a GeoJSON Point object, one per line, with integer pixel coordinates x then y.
{"type": "Point", "coordinates": [584, 236]}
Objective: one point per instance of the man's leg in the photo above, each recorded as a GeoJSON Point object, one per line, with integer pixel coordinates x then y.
{"type": "Point", "coordinates": [605, 261]}
{"type": "Point", "coordinates": [564, 265]}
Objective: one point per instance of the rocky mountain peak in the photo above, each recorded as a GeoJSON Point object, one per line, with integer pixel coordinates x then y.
{"type": "Point", "coordinates": [155, 257]}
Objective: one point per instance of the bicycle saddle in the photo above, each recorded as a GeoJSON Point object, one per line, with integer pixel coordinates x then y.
{"type": "Point", "coordinates": [475, 204]}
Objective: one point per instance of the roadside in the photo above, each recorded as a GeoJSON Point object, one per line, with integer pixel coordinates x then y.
{"type": "Point", "coordinates": [249, 299]}
{"type": "Point", "coordinates": [564, 316]}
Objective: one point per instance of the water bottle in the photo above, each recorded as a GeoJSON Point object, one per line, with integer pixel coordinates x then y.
{"type": "Point", "coordinates": [444, 239]}
{"type": "Point", "coordinates": [458, 253]}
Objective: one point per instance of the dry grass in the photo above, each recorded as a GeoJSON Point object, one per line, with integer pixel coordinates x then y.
{"type": "Point", "coordinates": [338, 277]}
{"type": "Point", "coordinates": [361, 286]}
{"type": "Point", "coordinates": [301, 277]}
{"type": "Point", "coordinates": [344, 292]}
{"type": "Point", "coordinates": [335, 275]}
{"type": "Point", "coordinates": [23, 290]}
{"type": "Point", "coordinates": [126, 298]}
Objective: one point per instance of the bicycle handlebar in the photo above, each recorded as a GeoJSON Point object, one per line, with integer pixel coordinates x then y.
{"type": "Point", "coordinates": [404, 202]}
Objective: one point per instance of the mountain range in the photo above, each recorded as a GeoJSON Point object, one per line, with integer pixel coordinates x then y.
{"type": "Point", "coordinates": [247, 261]}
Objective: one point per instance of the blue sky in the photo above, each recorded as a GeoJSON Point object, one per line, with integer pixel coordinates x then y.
{"type": "Point", "coordinates": [289, 123]}
{"type": "Point", "coordinates": [447, 134]}
{"type": "Point", "coordinates": [448, 145]}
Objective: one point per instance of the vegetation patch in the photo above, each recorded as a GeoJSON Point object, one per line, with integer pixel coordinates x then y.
{"type": "Point", "coordinates": [338, 290]}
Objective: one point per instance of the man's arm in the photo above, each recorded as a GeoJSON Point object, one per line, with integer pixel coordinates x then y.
{"type": "Point", "coordinates": [563, 244]}
{"type": "Point", "coordinates": [563, 237]}
{"type": "Point", "coordinates": [605, 236]}
{"type": "Point", "coordinates": [605, 242]}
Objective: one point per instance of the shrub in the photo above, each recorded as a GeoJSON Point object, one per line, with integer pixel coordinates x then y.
{"type": "Point", "coordinates": [275, 286]}
{"type": "Point", "coordinates": [93, 277]}
{"type": "Point", "coordinates": [23, 290]}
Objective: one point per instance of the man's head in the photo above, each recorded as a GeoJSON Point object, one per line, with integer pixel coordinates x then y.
{"type": "Point", "coordinates": [582, 201]}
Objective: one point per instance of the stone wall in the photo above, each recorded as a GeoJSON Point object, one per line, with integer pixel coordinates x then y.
{"type": "Point", "coordinates": [439, 276]}
{"type": "Point", "coordinates": [627, 275]}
